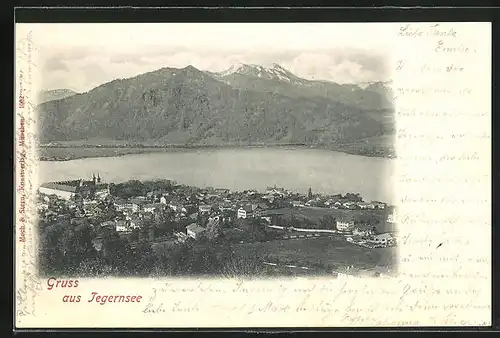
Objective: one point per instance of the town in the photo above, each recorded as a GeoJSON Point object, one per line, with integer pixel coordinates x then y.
{"type": "Point", "coordinates": [161, 227]}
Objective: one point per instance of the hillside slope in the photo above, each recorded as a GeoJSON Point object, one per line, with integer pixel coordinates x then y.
{"type": "Point", "coordinates": [55, 94]}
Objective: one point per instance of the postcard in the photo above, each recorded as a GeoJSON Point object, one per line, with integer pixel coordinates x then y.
{"type": "Point", "coordinates": [252, 175]}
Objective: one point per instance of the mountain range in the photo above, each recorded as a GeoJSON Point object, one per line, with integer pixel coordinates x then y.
{"type": "Point", "coordinates": [55, 94]}
{"type": "Point", "coordinates": [246, 104]}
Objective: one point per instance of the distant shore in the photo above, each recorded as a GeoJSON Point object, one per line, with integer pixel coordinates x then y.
{"type": "Point", "coordinates": [73, 152]}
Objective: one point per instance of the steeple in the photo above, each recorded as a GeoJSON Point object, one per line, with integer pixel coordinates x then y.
{"type": "Point", "coordinates": [93, 178]}
{"type": "Point", "coordinates": [98, 178]}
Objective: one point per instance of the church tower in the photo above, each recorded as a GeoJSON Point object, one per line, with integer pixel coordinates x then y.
{"type": "Point", "coordinates": [98, 178]}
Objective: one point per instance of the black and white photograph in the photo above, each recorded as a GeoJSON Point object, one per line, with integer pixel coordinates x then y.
{"type": "Point", "coordinates": [215, 150]}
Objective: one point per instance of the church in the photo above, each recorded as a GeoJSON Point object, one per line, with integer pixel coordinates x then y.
{"type": "Point", "coordinates": [84, 188]}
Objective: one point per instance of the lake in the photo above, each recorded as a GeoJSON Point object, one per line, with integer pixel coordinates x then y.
{"type": "Point", "coordinates": [324, 171]}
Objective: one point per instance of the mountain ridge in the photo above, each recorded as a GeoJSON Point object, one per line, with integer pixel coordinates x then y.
{"type": "Point", "coordinates": [277, 79]}
{"type": "Point", "coordinates": [189, 106]}
{"type": "Point", "coordinates": [54, 94]}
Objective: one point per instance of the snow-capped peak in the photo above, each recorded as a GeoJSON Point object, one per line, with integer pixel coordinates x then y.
{"type": "Point", "coordinates": [272, 71]}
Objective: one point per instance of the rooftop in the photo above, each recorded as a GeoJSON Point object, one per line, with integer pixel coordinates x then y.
{"type": "Point", "coordinates": [247, 208]}
{"type": "Point", "coordinates": [383, 236]}
{"type": "Point", "coordinates": [71, 185]}
{"type": "Point", "coordinates": [195, 228]}
{"type": "Point", "coordinates": [59, 186]}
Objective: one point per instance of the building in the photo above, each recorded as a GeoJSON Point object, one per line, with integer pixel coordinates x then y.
{"type": "Point", "coordinates": [42, 206]}
{"type": "Point", "coordinates": [177, 207]}
{"type": "Point", "coordinates": [225, 206]}
{"type": "Point", "coordinates": [214, 218]}
{"type": "Point", "coordinates": [101, 191]}
{"type": "Point", "coordinates": [92, 210]}
{"type": "Point", "coordinates": [272, 216]}
{"type": "Point", "coordinates": [364, 205]}
{"type": "Point", "coordinates": [251, 192]}
{"type": "Point", "coordinates": [328, 202]}
{"type": "Point", "coordinates": [155, 195]}
{"type": "Point", "coordinates": [276, 191]}
{"type": "Point", "coordinates": [152, 207]}
{"type": "Point", "coordinates": [383, 239]}
{"type": "Point", "coordinates": [337, 204]}
{"type": "Point", "coordinates": [350, 205]}
{"type": "Point", "coordinates": [180, 237]}
{"type": "Point", "coordinates": [345, 225]}
{"type": "Point", "coordinates": [222, 191]}
{"type": "Point", "coordinates": [194, 230]}
{"type": "Point", "coordinates": [258, 209]}
{"type": "Point", "coordinates": [126, 206]}
{"type": "Point", "coordinates": [378, 205]}
{"type": "Point", "coordinates": [89, 203]}
{"type": "Point", "coordinates": [204, 208]}
{"type": "Point", "coordinates": [69, 189]}
{"type": "Point", "coordinates": [122, 226]}
{"type": "Point", "coordinates": [135, 223]}
{"type": "Point", "coordinates": [392, 217]}
{"type": "Point", "coordinates": [316, 202]}
{"type": "Point", "coordinates": [65, 190]}
{"type": "Point", "coordinates": [245, 212]}
{"type": "Point", "coordinates": [107, 224]}
{"type": "Point", "coordinates": [362, 232]}
{"type": "Point", "coordinates": [163, 200]}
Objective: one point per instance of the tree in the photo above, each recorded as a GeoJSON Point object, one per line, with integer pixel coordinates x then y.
{"type": "Point", "coordinates": [353, 197]}
{"type": "Point", "coordinates": [294, 221]}
{"type": "Point", "coordinates": [117, 253]}
{"type": "Point", "coordinates": [327, 222]}
{"type": "Point", "coordinates": [243, 266]}
{"type": "Point", "coordinates": [50, 255]}
{"type": "Point", "coordinates": [134, 236]}
{"type": "Point", "coordinates": [143, 260]}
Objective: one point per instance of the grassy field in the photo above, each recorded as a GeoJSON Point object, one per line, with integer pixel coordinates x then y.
{"type": "Point", "coordinates": [329, 251]}
{"type": "Point", "coordinates": [310, 216]}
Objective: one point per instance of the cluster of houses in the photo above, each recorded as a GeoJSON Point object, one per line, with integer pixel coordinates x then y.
{"type": "Point", "coordinates": [185, 206]}
{"type": "Point", "coordinates": [366, 236]}
{"type": "Point", "coordinates": [214, 203]}
{"type": "Point", "coordinates": [338, 202]}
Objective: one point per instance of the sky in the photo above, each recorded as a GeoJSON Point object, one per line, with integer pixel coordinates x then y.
{"type": "Point", "coordinates": [83, 56]}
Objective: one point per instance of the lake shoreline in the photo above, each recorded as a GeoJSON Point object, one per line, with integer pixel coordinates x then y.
{"type": "Point", "coordinates": [118, 151]}
{"type": "Point", "coordinates": [236, 169]}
